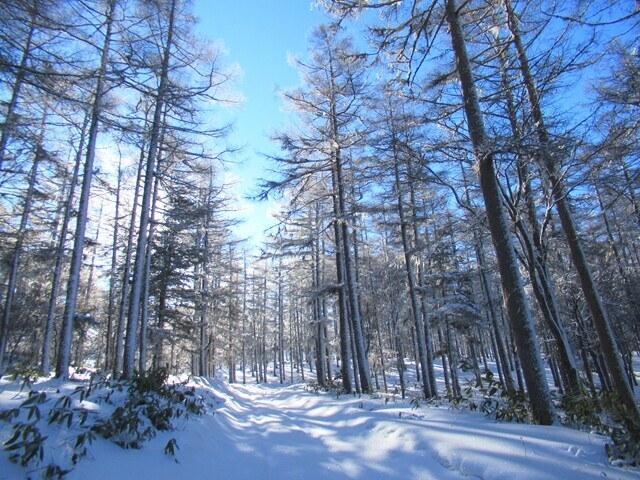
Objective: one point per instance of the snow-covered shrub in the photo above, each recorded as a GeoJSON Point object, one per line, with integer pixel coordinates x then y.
{"type": "Point", "coordinates": [582, 411]}
{"type": "Point", "coordinates": [151, 405]}
{"type": "Point", "coordinates": [126, 412]}
{"type": "Point", "coordinates": [607, 416]}
{"type": "Point", "coordinates": [333, 388]}
{"type": "Point", "coordinates": [492, 399]}
{"type": "Point", "coordinates": [624, 429]}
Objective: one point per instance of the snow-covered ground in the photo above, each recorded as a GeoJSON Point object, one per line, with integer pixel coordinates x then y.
{"type": "Point", "coordinates": [286, 432]}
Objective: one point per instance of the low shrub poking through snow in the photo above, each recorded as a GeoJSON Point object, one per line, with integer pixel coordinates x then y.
{"type": "Point", "coordinates": [125, 412]}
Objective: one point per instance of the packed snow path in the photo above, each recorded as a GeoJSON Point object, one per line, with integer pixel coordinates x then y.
{"type": "Point", "coordinates": [283, 432]}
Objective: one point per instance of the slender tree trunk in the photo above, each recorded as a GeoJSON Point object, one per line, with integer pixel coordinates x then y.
{"type": "Point", "coordinates": [349, 285]}
{"type": "Point", "coordinates": [534, 252]}
{"type": "Point", "coordinates": [126, 276]}
{"type": "Point", "coordinates": [280, 326]}
{"type": "Point", "coordinates": [411, 281]}
{"type": "Point", "coordinates": [144, 314]}
{"type": "Point", "coordinates": [614, 248]}
{"type": "Point", "coordinates": [64, 351]}
{"type": "Point", "coordinates": [245, 283]}
{"type": "Point", "coordinates": [502, 361]}
{"type": "Point", "coordinates": [204, 294]}
{"type": "Point", "coordinates": [452, 350]}
{"type": "Point", "coordinates": [19, 244]}
{"type": "Point", "coordinates": [322, 374]}
{"type": "Point", "coordinates": [364, 373]}
{"type": "Point", "coordinates": [420, 282]}
{"type": "Point", "coordinates": [513, 291]}
{"type": "Point", "coordinates": [9, 116]}
{"type": "Point", "coordinates": [345, 338]}
{"type": "Point", "coordinates": [92, 265]}
{"type": "Point", "coordinates": [501, 352]}
{"type": "Point", "coordinates": [138, 270]}
{"type": "Point", "coordinates": [108, 357]}
{"type": "Point", "coordinates": [60, 254]}
{"type": "Point", "coordinates": [400, 365]}
{"type": "Point", "coordinates": [608, 344]}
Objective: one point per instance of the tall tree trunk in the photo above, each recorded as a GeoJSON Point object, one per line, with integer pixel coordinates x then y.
{"type": "Point", "coordinates": [502, 360]}
{"type": "Point", "coordinates": [501, 351]}
{"type": "Point", "coordinates": [245, 282]}
{"type": "Point", "coordinates": [60, 254]}
{"type": "Point", "coordinates": [433, 387]}
{"type": "Point", "coordinates": [19, 244]}
{"type": "Point", "coordinates": [322, 375]}
{"type": "Point", "coordinates": [138, 270]}
{"type": "Point", "coordinates": [348, 269]}
{"type": "Point", "coordinates": [534, 251]}
{"type": "Point", "coordinates": [64, 351]}
{"type": "Point", "coordinates": [513, 292]}
{"type": "Point", "coordinates": [144, 314]}
{"type": "Point", "coordinates": [411, 281]}
{"type": "Point", "coordinates": [9, 116]}
{"type": "Point", "coordinates": [352, 293]}
{"type": "Point", "coordinates": [92, 265]}
{"type": "Point", "coordinates": [108, 350]}
{"type": "Point", "coordinates": [280, 326]}
{"type": "Point", "coordinates": [345, 338]}
{"type": "Point", "coordinates": [599, 315]}
{"type": "Point", "coordinates": [126, 275]}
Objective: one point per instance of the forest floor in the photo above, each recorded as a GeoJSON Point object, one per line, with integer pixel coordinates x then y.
{"type": "Point", "coordinates": [274, 431]}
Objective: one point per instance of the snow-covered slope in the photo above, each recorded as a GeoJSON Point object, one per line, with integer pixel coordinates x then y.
{"type": "Point", "coordinates": [285, 432]}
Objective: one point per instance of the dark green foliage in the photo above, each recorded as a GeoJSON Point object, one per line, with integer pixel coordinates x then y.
{"type": "Point", "coordinates": [171, 447]}
{"type": "Point", "coordinates": [492, 399]}
{"type": "Point", "coordinates": [624, 448]}
{"type": "Point", "coordinates": [503, 404]}
{"type": "Point", "coordinates": [607, 416]}
{"type": "Point", "coordinates": [334, 388]}
{"type": "Point", "coordinates": [415, 402]}
{"type": "Point", "coordinates": [151, 405]}
{"type": "Point", "coordinates": [26, 444]}
{"type": "Point", "coordinates": [582, 410]}
{"type": "Point", "coordinates": [54, 471]}
{"type": "Point", "coordinates": [28, 374]}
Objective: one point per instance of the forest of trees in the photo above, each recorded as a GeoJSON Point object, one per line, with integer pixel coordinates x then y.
{"type": "Point", "coordinates": [460, 184]}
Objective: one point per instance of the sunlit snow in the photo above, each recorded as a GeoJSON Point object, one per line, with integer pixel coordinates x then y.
{"type": "Point", "coordinates": [278, 431]}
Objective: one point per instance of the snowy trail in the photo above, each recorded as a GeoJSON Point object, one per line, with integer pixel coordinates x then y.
{"type": "Point", "coordinates": [285, 432]}
{"type": "Point", "coordinates": [267, 432]}
{"type": "Point", "coordinates": [291, 433]}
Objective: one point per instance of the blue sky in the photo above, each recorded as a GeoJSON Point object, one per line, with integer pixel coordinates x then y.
{"type": "Point", "coordinates": [258, 35]}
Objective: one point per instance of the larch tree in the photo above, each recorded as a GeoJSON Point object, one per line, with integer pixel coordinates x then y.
{"type": "Point", "coordinates": [64, 352]}
{"type": "Point", "coordinates": [180, 81]}
{"type": "Point", "coordinates": [331, 101]}
{"type": "Point", "coordinates": [131, 339]}
{"type": "Point", "coordinates": [21, 232]}
{"type": "Point", "coordinates": [425, 20]}
{"type": "Point", "coordinates": [547, 155]}
{"type": "Point", "coordinates": [396, 151]}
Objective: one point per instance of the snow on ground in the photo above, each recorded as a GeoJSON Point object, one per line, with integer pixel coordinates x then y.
{"type": "Point", "coordinates": [277, 431]}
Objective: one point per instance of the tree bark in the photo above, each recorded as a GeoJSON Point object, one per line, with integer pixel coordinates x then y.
{"type": "Point", "coordinates": [108, 350]}
{"type": "Point", "coordinates": [18, 247]}
{"type": "Point", "coordinates": [64, 352]}
{"type": "Point", "coordinates": [45, 365]}
{"type": "Point", "coordinates": [126, 275]}
{"type": "Point", "coordinates": [513, 292]}
{"type": "Point", "coordinates": [411, 281]}
{"type": "Point", "coordinates": [597, 310]}
{"type": "Point", "coordinates": [138, 270]}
